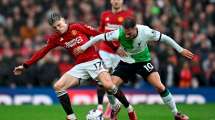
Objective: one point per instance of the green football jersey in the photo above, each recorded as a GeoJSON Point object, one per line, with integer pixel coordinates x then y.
{"type": "Point", "coordinates": [136, 48]}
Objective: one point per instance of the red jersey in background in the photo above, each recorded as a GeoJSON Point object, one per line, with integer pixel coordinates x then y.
{"type": "Point", "coordinates": [76, 35]}
{"type": "Point", "coordinates": [110, 21]}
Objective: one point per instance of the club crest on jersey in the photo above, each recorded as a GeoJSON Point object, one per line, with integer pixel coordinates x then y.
{"type": "Point", "coordinates": [61, 39]}
{"type": "Point", "coordinates": [154, 33]}
{"type": "Point", "coordinates": [107, 19]}
{"type": "Point", "coordinates": [120, 19]}
{"type": "Point", "coordinates": [74, 32]}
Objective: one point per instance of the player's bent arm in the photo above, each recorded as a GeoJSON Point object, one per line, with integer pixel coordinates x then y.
{"type": "Point", "coordinates": [171, 42]}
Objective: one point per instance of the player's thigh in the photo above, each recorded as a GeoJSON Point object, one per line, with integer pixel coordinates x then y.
{"type": "Point", "coordinates": [96, 70]}
{"type": "Point", "coordinates": [65, 82]}
{"type": "Point", "coordinates": [72, 77]}
{"type": "Point", "coordinates": [79, 71]}
{"type": "Point", "coordinates": [154, 79]}
{"type": "Point", "coordinates": [105, 78]}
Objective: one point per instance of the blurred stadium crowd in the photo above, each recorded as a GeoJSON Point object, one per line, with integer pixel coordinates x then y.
{"type": "Point", "coordinates": [190, 22]}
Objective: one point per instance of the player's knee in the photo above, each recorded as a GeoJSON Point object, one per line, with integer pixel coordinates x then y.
{"type": "Point", "coordinates": [58, 86]}
{"type": "Point", "coordinates": [108, 86]}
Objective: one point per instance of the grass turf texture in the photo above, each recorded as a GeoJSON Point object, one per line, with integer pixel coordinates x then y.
{"type": "Point", "coordinates": [144, 112]}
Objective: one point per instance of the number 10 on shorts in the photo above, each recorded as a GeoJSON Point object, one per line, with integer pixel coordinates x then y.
{"type": "Point", "coordinates": [148, 67]}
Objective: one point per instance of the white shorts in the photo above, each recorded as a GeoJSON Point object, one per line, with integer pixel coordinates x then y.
{"type": "Point", "coordinates": [86, 70]}
{"type": "Point", "coordinates": [110, 60]}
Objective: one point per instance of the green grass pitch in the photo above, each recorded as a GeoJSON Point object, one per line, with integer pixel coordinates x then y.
{"type": "Point", "coordinates": [144, 112]}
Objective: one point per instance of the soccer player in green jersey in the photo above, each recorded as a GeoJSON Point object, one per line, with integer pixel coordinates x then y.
{"type": "Point", "coordinates": [135, 57]}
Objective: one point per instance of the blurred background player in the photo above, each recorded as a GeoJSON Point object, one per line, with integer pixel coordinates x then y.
{"type": "Point", "coordinates": [87, 65]}
{"type": "Point", "coordinates": [110, 20]}
{"type": "Point", "coordinates": [136, 58]}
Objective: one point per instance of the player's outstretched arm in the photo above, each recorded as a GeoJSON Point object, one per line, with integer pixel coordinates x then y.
{"type": "Point", "coordinates": [171, 42]}
{"type": "Point", "coordinates": [154, 35]}
{"type": "Point", "coordinates": [184, 52]}
{"type": "Point", "coordinates": [109, 36]}
{"type": "Point", "coordinates": [81, 49]}
{"type": "Point", "coordinates": [37, 56]}
{"type": "Point", "coordinates": [93, 41]}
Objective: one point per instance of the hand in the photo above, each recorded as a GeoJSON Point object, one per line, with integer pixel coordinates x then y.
{"type": "Point", "coordinates": [121, 52]}
{"type": "Point", "coordinates": [77, 51]}
{"type": "Point", "coordinates": [186, 53]}
{"type": "Point", "coordinates": [18, 70]}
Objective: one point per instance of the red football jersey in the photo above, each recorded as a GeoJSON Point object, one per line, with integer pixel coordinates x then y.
{"type": "Point", "coordinates": [76, 35]}
{"type": "Point", "coordinates": [111, 21]}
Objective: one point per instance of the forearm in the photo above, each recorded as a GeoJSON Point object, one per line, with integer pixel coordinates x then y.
{"type": "Point", "coordinates": [37, 56]}
{"type": "Point", "coordinates": [93, 41]}
{"type": "Point", "coordinates": [171, 42]}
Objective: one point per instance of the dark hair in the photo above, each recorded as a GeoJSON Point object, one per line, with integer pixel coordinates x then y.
{"type": "Point", "coordinates": [53, 17]}
{"type": "Point", "coordinates": [129, 22]}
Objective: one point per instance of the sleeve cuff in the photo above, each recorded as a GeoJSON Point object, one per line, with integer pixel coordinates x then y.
{"type": "Point", "coordinates": [25, 65]}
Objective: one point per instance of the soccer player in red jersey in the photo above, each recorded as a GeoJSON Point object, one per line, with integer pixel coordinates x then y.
{"type": "Point", "coordinates": [110, 20]}
{"type": "Point", "coordinates": [87, 65]}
